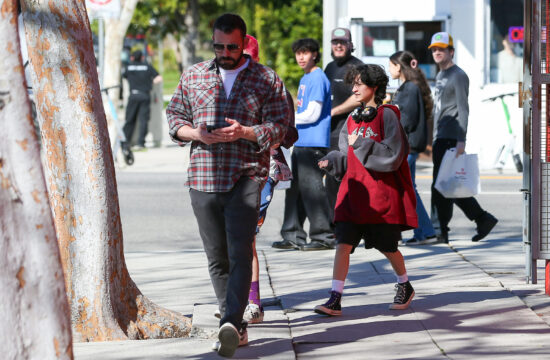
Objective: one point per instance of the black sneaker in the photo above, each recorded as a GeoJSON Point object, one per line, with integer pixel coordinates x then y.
{"type": "Point", "coordinates": [403, 296]}
{"type": "Point", "coordinates": [317, 245]}
{"type": "Point", "coordinates": [285, 244]}
{"type": "Point", "coordinates": [128, 155]}
{"type": "Point", "coordinates": [332, 307]}
{"type": "Point", "coordinates": [484, 226]}
{"type": "Point", "coordinates": [443, 238]}
{"type": "Point", "coordinates": [426, 241]}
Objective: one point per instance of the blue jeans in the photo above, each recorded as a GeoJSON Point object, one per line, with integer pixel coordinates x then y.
{"type": "Point", "coordinates": [265, 200]}
{"type": "Point", "coordinates": [425, 227]}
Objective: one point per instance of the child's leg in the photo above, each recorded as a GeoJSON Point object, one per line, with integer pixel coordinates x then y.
{"type": "Point", "coordinates": [254, 295]}
{"type": "Point", "coordinates": [341, 262]}
{"type": "Point", "coordinates": [398, 264]}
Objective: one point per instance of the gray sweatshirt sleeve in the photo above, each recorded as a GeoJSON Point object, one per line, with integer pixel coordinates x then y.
{"type": "Point", "coordinates": [462, 85]}
{"type": "Point", "coordinates": [387, 155]}
{"type": "Point", "coordinates": [338, 160]}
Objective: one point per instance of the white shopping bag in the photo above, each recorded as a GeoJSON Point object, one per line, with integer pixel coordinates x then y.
{"type": "Point", "coordinates": [458, 177]}
{"type": "Point", "coordinates": [283, 185]}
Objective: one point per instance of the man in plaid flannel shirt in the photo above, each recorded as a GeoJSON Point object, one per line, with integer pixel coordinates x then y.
{"type": "Point", "coordinates": [233, 111]}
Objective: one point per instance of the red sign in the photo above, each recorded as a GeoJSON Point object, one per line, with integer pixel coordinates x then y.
{"type": "Point", "coordinates": [515, 34]}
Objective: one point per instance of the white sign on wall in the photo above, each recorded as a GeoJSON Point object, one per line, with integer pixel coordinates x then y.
{"type": "Point", "coordinates": [103, 8]}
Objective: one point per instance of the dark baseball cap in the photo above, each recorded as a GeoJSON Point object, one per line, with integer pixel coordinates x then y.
{"type": "Point", "coordinates": [341, 34]}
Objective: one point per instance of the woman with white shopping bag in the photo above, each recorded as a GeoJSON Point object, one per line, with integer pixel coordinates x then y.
{"type": "Point", "coordinates": [450, 123]}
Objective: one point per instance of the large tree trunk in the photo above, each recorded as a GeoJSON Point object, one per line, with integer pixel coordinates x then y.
{"type": "Point", "coordinates": [105, 303]}
{"type": "Point", "coordinates": [34, 309]}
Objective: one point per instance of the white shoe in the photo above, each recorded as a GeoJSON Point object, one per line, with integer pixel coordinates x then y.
{"type": "Point", "coordinates": [218, 314]}
{"type": "Point", "coordinates": [253, 314]}
{"type": "Point", "coordinates": [229, 338]}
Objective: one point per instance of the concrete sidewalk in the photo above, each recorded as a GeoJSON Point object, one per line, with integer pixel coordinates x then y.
{"type": "Point", "coordinates": [465, 307]}
{"type": "Point", "coordinates": [471, 302]}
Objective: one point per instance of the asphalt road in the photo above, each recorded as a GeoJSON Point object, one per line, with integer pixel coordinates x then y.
{"type": "Point", "coordinates": [156, 211]}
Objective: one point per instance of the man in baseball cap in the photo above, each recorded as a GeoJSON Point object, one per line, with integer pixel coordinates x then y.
{"type": "Point", "coordinates": [341, 34]}
{"type": "Point", "coordinates": [442, 40]}
{"type": "Point", "coordinates": [450, 117]}
{"type": "Point", "coordinates": [343, 100]}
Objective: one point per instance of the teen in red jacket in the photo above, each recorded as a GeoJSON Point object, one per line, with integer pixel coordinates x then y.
{"type": "Point", "coordinates": [376, 200]}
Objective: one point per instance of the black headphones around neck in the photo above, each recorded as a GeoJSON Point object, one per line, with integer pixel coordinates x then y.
{"type": "Point", "coordinates": [364, 113]}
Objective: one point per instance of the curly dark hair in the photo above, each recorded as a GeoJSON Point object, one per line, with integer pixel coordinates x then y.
{"type": "Point", "coordinates": [414, 74]}
{"type": "Point", "coordinates": [373, 76]}
{"type": "Point", "coordinates": [307, 44]}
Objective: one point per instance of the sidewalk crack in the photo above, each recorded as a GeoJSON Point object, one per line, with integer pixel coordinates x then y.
{"type": "Point", "coordinates": [279, 303]}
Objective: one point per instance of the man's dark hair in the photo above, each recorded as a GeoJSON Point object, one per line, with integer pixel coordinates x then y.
{"type": "Point", "coordinates": [307, 44]}
{"type": "Point", "coordinates": [371, 75]}
{"type": "Point", "coordinates": [137, 55]}
{"type": "Point", "coordinates": [229, 22]}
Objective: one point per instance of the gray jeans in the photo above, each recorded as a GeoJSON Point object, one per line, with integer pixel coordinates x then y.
{"type": "Point", "coordinates": [227, 225]}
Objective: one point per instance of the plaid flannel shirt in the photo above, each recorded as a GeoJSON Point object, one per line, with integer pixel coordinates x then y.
{"type": "Point", "coordinates": [257, 99]}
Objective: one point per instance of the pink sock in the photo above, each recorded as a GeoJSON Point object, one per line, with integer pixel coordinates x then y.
{"type": "Point", "coordinates": [254, 295]}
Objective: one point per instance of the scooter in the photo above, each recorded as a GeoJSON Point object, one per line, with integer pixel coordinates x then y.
{"type": "Point", "coordinates": [508, 147]}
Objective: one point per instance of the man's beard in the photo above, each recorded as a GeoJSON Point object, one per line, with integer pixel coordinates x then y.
{"type": "Point", "coordinates": [228, 62]}
{"type": "Point", "coordinates": [341, 59]}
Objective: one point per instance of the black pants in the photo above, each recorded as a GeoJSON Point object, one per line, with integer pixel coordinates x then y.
{"type": "Point", "coordinates": [307, 197]}
{"type": "Point", "coordinates": [442, 208]}
{"type": "Point", "coordinates": [138, 109]}
{"type": "Point", "coordinates": [227, 225]}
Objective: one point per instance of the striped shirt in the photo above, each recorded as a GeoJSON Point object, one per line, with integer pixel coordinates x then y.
{"type": "Point", "coordinates": [258, 99]}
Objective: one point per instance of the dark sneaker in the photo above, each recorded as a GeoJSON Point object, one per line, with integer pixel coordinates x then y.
{"type": "Point", "coordinates": [128, 155]}
{"type": "Point", "coordinates": [332, 307]}
{"type": "Point", "coordinates": [484, 226]}
{"type": "Point", "coordinates": [285, 244]}
{"type": "Point", "coordinates": [414, 241]}
{"type": "Point", "coordinates": [229, 338]}
{"type": "Point", "coordinates": [442, 239]}
{"type": "Point", "coordinates": [317, 245]}
{"type": "Point", "coordinates": [403, 296]}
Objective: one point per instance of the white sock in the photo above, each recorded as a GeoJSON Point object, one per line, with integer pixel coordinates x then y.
{"type": "Point", "coordinates": [402, 278]}
{"type": "Point", "coordinates": [338, 286]}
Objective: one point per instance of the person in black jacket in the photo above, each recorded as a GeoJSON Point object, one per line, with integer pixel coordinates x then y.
{"type": "Point", "coordinates": [141, 77]}
{"type": "Point", "coordinates": [343, 100]}
{"type": "Point", "coordinates": [415, 103]}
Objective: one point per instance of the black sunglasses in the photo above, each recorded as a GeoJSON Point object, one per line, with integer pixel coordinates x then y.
{"type": "Point", "coordinates": [231, 47]}
{"type": "Point", "coordinates": [339, 42]}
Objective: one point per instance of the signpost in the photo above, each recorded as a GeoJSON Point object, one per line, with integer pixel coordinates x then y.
{"type": "Point", "coordinates": [100, 10]}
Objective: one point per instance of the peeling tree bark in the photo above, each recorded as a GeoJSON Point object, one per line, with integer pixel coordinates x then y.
{"type": "Point", "coordinates": [34, 309]}
{"type": "Point", "coordinates": [105, 302]}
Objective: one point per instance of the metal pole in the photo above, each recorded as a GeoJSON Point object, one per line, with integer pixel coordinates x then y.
{"type": "Point", "coordinates": [101, 55]}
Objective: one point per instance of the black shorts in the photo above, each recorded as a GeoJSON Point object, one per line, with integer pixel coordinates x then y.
{"type": "Point", "coordinates": [382, 237]}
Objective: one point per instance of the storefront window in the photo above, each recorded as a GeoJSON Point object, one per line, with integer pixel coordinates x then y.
{"type": "Point", "coordinates": [506, 41]}
{"type": "Point", "coordinates": [382, 40]}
